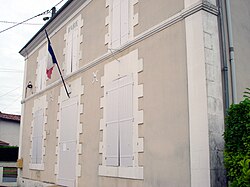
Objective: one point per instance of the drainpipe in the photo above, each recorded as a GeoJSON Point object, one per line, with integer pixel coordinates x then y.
{"type": "Point", "coordinates": [224, 55]}
{"type": "Point", "coordinates": [231, 50]}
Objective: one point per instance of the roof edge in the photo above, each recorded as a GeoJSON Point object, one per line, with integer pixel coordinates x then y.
{"type": "Point", "coordinates": [23, 51]}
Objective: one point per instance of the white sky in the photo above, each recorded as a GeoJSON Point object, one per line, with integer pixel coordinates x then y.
{"type": "Point", "coordinates": [11, 41]}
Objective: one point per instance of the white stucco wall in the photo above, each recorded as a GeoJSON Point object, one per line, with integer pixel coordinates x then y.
{"type": "Point", "coordinates": [9, 132]}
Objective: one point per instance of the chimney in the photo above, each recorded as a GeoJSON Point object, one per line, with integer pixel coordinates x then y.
{"type": "Point", "coordinates": [53, 11]}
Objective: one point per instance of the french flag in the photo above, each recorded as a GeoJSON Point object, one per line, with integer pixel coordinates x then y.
{"type": "Point", "coordinates": [51, 60]}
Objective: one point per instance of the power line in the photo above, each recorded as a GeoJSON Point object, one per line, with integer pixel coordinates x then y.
{"type": "Point", "coordinates": [43, 13]}
{"type": "Point", "coordinates": [19, 97]}
{"type": "Point", "coordinates": [10, 91]}
{"type": "Point", "coordinates": [11, 71]}
{"type": "Point", "coordinates": [13, 22]}
{"type": "Point", "coordinates": [59, 3]}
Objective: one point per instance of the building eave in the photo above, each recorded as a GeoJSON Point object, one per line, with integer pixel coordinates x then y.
{"type": "Point", "coordinates": [63, 13]}
{"type": "Point", "coordinates": [10, 117]}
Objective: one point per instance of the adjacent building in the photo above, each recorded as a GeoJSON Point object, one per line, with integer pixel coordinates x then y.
{"type": "Point", "coordinates": [9, 129]}
{"type": "Point", "coordinates": [149, 83]}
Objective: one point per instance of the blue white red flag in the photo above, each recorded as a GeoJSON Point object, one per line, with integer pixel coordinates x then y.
{"type": "Point", "coordinates": [51, 60]}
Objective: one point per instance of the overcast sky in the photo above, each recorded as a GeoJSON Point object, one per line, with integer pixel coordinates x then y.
{"type": "Point", "coordinates": [11, 41]}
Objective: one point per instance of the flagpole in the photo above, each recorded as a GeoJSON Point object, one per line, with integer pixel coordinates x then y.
{"type": "Point", "coordinates": [62, 80]}
{"type": "Point", "coordinates": [55, 62]}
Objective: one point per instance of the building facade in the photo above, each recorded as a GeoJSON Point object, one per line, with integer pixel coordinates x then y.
{"type": "Point", "coordinates": [146, 81]}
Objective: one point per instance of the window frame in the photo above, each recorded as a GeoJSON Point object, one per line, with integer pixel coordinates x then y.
{"type": "Point", "coordinates": [40, 104]}
{"type": "Point", "coordinates": [127, 17]}
{"type": "Point", "coordinates": [128, 64]}
{"type": "Point", "coordinates": [73, 40]}
{"type": "Point", "coordinates": [124, 109]}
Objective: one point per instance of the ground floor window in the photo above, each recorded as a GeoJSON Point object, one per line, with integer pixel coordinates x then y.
{"type": "Point", "coordinates": [119, 122]}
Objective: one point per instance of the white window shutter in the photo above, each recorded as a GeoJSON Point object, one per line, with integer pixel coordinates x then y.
{"type": "Point", "coordinates": [115, 26]}
{"type": "Point", "coordinates": [34, 139]}
{"type": "Point", "coordinates": [69, 117]}
{"type": "Point", "coordinates": [43, 71]}
{"type": "Point", "coordinates": [39, 76]}
{"type": "Point", "coordinates": [68, 139]}
{"type": "Point", "coordinates": [112, 120]}
{"type": "Point", "coordinates": [37, 137]}
{"type": "Point", "coordinates": [75, 45]}
{"type": "Point", "coordinates": [126, 121]}
{"type": "Point", "coordinates": [69, 53]}
{"type": "Point", "coordinates": [124, 21]}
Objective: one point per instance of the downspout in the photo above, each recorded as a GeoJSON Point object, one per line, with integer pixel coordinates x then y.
{"type": "Point", "coordinates": [231, 50]}
{"type": "Point", "coordinates": [224, 55]}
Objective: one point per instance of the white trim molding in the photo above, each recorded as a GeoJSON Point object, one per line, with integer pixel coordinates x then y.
{"type": "Point", "coordinates": [127, 64]}
{"type": "Point", "coordinates": [200, 55]}
{"type": "Point", "coordinates": [205, 105]}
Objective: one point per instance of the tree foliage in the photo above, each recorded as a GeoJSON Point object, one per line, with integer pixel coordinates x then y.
{"type": "Point", "coordinates": [237, 144]}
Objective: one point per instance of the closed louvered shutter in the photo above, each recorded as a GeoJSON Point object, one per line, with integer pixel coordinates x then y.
{"type": "Point", "coordinates": [37, 137]}
{"type": "Point", "coordinates": [119, 122]}
{"type": "Point", "coordinates": [126, 121]}
{"type": "Point", "coordinates": [124, 21]}
{"type": "Point", "coordinates": [112, 122]}
{"type": "Point", "coordinates": [115, 26]}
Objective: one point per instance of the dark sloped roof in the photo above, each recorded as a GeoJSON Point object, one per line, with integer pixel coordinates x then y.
{"type": "Point", "coordinates": [2, 143]}
{"type": "Point", "coordinates": [11, 117]}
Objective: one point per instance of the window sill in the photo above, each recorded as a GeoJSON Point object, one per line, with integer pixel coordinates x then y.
{"type": "Point", "coordinates": [36, 166]}
{"type": "Point", "coordinates": [121, 172]}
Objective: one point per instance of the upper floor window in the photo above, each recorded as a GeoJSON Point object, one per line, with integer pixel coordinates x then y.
{"type": "Point", "coordinates": [120, 21]}
{"type": "Point", "coordinates": [72, 49]}
{"type": "Point", "coordinates": [41, 69]}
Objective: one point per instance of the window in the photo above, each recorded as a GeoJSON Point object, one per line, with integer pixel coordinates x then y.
{"type": "Point", "coordinates": [9, 174]}
{"type": "Point", "coordinates": [72, 46]}
{"type": "Point", "coordinates": [119, 122]}
{"type": "Point", "coordinates": [37, 137]}
{"type": "Point", "coordinates": [41, 69]}
{"type": "Point", "coordinates": [121, 145]}
{"type": "Point", "coordinates": [120, 22]}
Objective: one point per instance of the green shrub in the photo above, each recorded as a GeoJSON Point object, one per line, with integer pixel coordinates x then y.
{"type": "Point", "coordinates": [237, 144]}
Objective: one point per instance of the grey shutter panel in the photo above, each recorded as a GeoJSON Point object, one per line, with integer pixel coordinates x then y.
{"type": "Point", "coordinates": [126, 121]}
{"type": "Point", "coordinates": [44, 67]}
{"type": "Point", "coordinates": [69, 48]}
{"type": "Point", "coordinates": [124, 21]}
{"type": "Point", "coordinates": [39, 75]}
{"type": "Point", "coordinates": [115, 25]}
{"type": "Point", "coordinates": [34, 139]}
{"type": "Point", "coordinates": [75, 45]}
{"type": "Point", "coordinates": [37, 137]}
{"type": "Point", "coordinates": [112, 124]}
{"type": "Point", "coordinates": [68, 143]}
